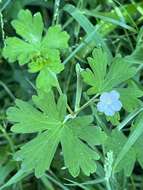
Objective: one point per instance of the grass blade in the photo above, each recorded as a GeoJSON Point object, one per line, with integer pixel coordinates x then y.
{"type": "Point", "coordinates": [130, 142]}
{"type": "Point", "coordinates": [109, 19]}
{"type": "Point", "coordinates": [88, 27]}
{"type": "Point", "coordinates": [129, 118]}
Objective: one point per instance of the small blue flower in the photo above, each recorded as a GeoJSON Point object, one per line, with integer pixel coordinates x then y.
{"type": "Point", "coordinates": [109, 103]}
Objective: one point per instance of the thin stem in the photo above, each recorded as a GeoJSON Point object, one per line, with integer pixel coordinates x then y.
{"type": "Point", "coordinates": [59, 89]}
{"type": "Point", "coordinates": [2, 26]}
{"type": "Point", "coordinates": [56, 12]}
{"type": "Point", "coordinates": [87, 104]}
{"type": "Point", "coordinates": [108, 185]}
{"type": "Point", "coordinates": [99, 121]}
{"type": "Point", "coordinates": [133, 183]}
{"type": "Point", "coordinates": [68, 77]}
{"type": "Point", "coordinates": [8, 139]}
{"type": "Point", "coordinates": [56, 182]}
{"type": "Point", "coordinates": [70, 110]}
{"type": "Point", "coordinates": [7, 90]}
{"type": "Point", "coordinates": [69, 21]}
{"type": "Point", "coordinates": [78, 87]}
{"type": "Point", "coordinates": [5, 5]}
{"type": "Point", "coordinates": [92, 182]}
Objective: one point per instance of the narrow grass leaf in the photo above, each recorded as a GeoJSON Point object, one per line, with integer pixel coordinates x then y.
{"type": "Point", "coordinates": [130, 142]}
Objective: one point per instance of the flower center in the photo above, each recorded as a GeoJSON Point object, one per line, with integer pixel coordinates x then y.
{"type": "Point", "coordinates": [109, 101]}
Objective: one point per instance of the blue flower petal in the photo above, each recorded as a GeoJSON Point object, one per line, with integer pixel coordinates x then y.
{"type": "Point", "coordinates": [109, 112]}
{"type": "Point", "coordinates": [116, 105]}
{"type": "Point", "coordinates": [104, 97]}
{"type": "Point", "coordinates": [101, 106]}
{"type": "Point", "coordinates": [114, 95]}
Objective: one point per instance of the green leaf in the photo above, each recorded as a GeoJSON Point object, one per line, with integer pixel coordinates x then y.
{"type": "Point", "coordinates": [54, 62]}
{"type": "Point", "coordinates": [115, 143]}
{"type": "Point", "coordinates": [137, 56]}
{"type": "Point", "coordinates": [80, 129]}
{"type": "Point", "coordinates": [119, 71]}
{"type": "Point", "coordinates": [33, 48]}
{"type": "Point", "coordinates": [4, 152]}
{"type": "Point", "coordinates": [27, 119]}
{"type": "Point", "coordinates": [132, 139]}
{"type": "Point", "coordinates": [114, 119]}
{"type": "Point", "coordinates": [138, 144]}
{"type": "Point", "coordinates": [17, 49]}
{"type": "Point", "coordinates": [46, 103]}
{"type": "Point", "coordinates": [51, 60]}
{"type": "Point", "coordinates": [6, 170]}
{"type": "Point", "coordinates": [29, 27]}
{"type": "Point", "coordinates": [84, 157]}
{"type": "Point", "coordinates": [139, 150]}
{"type": "Point", "coordinates": [89, 79]}
{"type": "Point", "coordinates": [38, 153]}
{"type": "Point", "coordinates": [101, 78]}
{"type": "Point", "coordinates": [98, 65]}
{"type": "Point", "coordinates": [80, 18]}
{"type": "Point", "coordinates": [62, 106]}
{"type": "Point", "coordinates": [15, 179]}
{"type": "Point", "coordinates": [55, 38]}
{"type": "Point", "coordinates": [127, 150]}
{"type": "Point", "coordinates": [49, 120]}
{"type": "Point", "coordinates": [93, 35]}
{"type": "Point", "coordinates": [129, 118]}
{"type": "Point", "coordinates": [106, 17]}
{"type": "Point", "coordinates": [130, 96]}
{"type": "Point", "coordinates": [46, 80]}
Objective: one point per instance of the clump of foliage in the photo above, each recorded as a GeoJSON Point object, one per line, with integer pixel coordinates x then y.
{"type": "Point", "coordinates": [78, 112]}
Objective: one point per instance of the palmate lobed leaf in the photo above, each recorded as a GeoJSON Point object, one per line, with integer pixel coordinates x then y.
{"type": "Point", "coordinates": [39, 50]}
{"type": "Point", "coordinates": [88, 135]}
{"type": "Point", "coordinates": [24, 114]}
{"type": "Point", "coordinates": [98, 64]}
{"type": "Point", "coordinates": [49, 119]}
{"type": "Point", "coordinates": [119, 71]}
{"type": "Point", "coordinates": [38, 153]}
{"type": "Point", "coordinates": [81, 155]}
{"type": "Point", "coordinates": [101, 78]}
{"type": "Point", "coordinates": [32, 47]}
